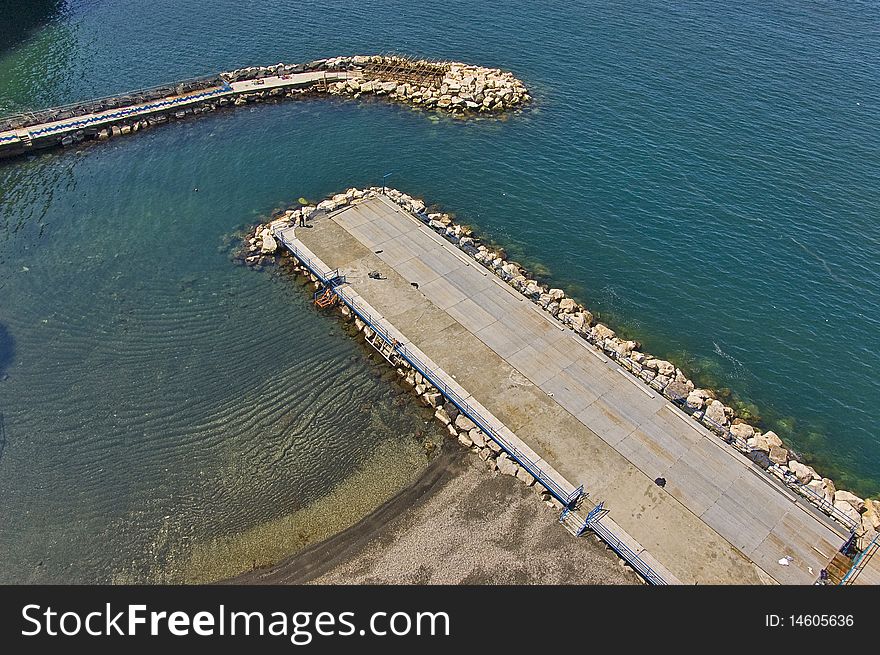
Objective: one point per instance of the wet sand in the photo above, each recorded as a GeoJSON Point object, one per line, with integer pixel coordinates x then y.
{"type": "Point", "coordinates": [459, 523]}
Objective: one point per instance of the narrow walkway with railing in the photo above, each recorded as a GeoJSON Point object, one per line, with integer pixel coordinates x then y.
{"type": "Point", "coordinates": [560, 488]}
{"type": "Point", "coordinates": [25, 135]}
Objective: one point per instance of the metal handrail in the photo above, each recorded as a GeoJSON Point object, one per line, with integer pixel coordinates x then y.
{"type": "Point", "coordinates": [567, 499]}
{"type": "Point", "coordinates": [857, 564]}
{"type": "Point", "coordinates": [627, 554]}
{"type": "Point", "coordinates": [80, 103]}
{"type": "Point", "coordinates": [127, 112]}
{"type": "Point", "coordinates": [823, 504]}
{"type": "Point", "coordinates": [116, 115]}
{"type": "Point", "coordinates": [222, 87]}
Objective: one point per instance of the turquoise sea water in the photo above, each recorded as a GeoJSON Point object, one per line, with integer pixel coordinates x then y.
{"type": "Point", "coordinates": [703, 176]}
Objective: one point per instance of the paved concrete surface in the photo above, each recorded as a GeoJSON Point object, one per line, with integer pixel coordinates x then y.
{"type": "Point", "coordinates": [718, 520]}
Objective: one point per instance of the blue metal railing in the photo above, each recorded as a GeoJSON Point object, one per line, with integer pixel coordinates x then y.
{"type": "Point", "coordinates": [556, 490]}
{"type": "Point", "coordinates": [861, 559]}
{"type": "Point", "coordinates": [848, 544]}
{"type": "Point", "coordinates": [122, 113]}
{"type": "Point", "coordinates": [568, 500]}
{"type": "Point", "coordinates": [581, 527]}
{"type": "Point", "coordinates": [592, 522]}
{"type": "Point", "coordinates": [166, 90]}
{"type": "Point", "coordinates": [595, 512]}
{"type": "Point", "coordinates": [627, 554]}
{"type": "Point", "coordinates": [822, 503]}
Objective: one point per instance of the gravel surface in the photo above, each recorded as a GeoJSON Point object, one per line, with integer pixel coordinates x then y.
{"type": "Point", "coordinates": [458, 524]}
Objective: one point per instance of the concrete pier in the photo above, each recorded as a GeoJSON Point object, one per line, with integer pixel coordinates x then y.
{"type": "Point", "coordinates": [719, 519]}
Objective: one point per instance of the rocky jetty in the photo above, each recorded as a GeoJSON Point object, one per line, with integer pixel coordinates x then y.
{"type": "Point", "coordinates": [765, 448]}
{"type": "Point", "coordinates": [453, 87]}
{"type": "Point", "coordinates": [447, 86]}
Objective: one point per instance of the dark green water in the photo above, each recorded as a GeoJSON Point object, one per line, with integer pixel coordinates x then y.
{"type": "Point", "coordinates": [704, 176]}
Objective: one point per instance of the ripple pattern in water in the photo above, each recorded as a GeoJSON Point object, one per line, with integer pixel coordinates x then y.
{"type": "Point", "coordinates": [702, 174]}
{"type": "Point", "coordinates": [157, 394]}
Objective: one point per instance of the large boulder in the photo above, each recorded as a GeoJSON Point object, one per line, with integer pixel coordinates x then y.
{"type": "Point", "coordinates": [868, 535]}
{"type": "Point", "coordinates": [525, 476]}
{"type": "Point", "coordinates": [828, 489]}
{"type": "Point", "coordinates": [463, 423]}
{"type": "Point", "coordinates": [661, 366]}
{"type": "Point", "coordinates": [442, 416]}
{"type": "Point", "coordinates": [779, 455]}
{"type": "Point", "coordinates": [695, 400]}
{"type": "Point", "coordinates": [624, 348]}
{"type": "Point", "coordinates": [451, 411]}
{"type": "Point", "coordinates": [270, 246]}
{"type": "Point", "coordinates": [872, 514]}
{"type": "Point", "coordinates": [660, 382]}
{"type": "Point", "coordinates": [842, 496]}
{"type": "Point", "coordinates": [742, 431]}
{"type": "Point", "coordinates": [567, 305]}
{"type": "Point", "coordinates": [767, 441]}
{"type": "Point", "coordinates": [433, 398]}
{"type": "Point", "coordinates": [509, 271]}
{"type": "Point", "coordinates": [532, 289]}
{"type": "Point", "coordinates": [677, 389]}
{"type": "Point", "coordinates": [760, 458]}
{"type": "Point", "coordinates": [802, 472]}
{"type": "Point", "coordinates": [478, 437]}
{"type": "Point", "coordinates": [507, 466]}
{"type": "Point", "coordinates": [817, 486]}
{"type": "Point", "coordinates": [681, 377]}
{"type": "Point", "coordinates": [847, 510]}
{"type": "Point", "coordinates": [601, 332]}
{"type": "Point", "coordinates": [579, 322]}
{"type": "Point", "coordinates": [715, 412]}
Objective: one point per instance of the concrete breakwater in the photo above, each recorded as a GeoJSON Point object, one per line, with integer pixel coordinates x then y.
{"type": "Point", "coordinates": [450, 87]}
{"type": "Point", "coordinates": [766, 449]}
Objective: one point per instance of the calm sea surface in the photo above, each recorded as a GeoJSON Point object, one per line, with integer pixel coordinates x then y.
{"type": "Point", "coordinates": [703, 175]}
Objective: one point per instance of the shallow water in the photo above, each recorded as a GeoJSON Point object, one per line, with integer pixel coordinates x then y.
{"type": "Point", "coordinates": [702, 176]}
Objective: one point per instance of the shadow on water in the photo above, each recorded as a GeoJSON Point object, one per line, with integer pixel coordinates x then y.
{"type": "Point", "coordinates": [18, 20]}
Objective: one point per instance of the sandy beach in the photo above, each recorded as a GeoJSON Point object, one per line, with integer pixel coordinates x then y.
{"type": "Point", "coordinates": [459, 523]}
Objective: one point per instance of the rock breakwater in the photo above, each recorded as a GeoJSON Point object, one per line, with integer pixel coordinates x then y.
{"type": "Point", "coordinates": [450, 87]}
